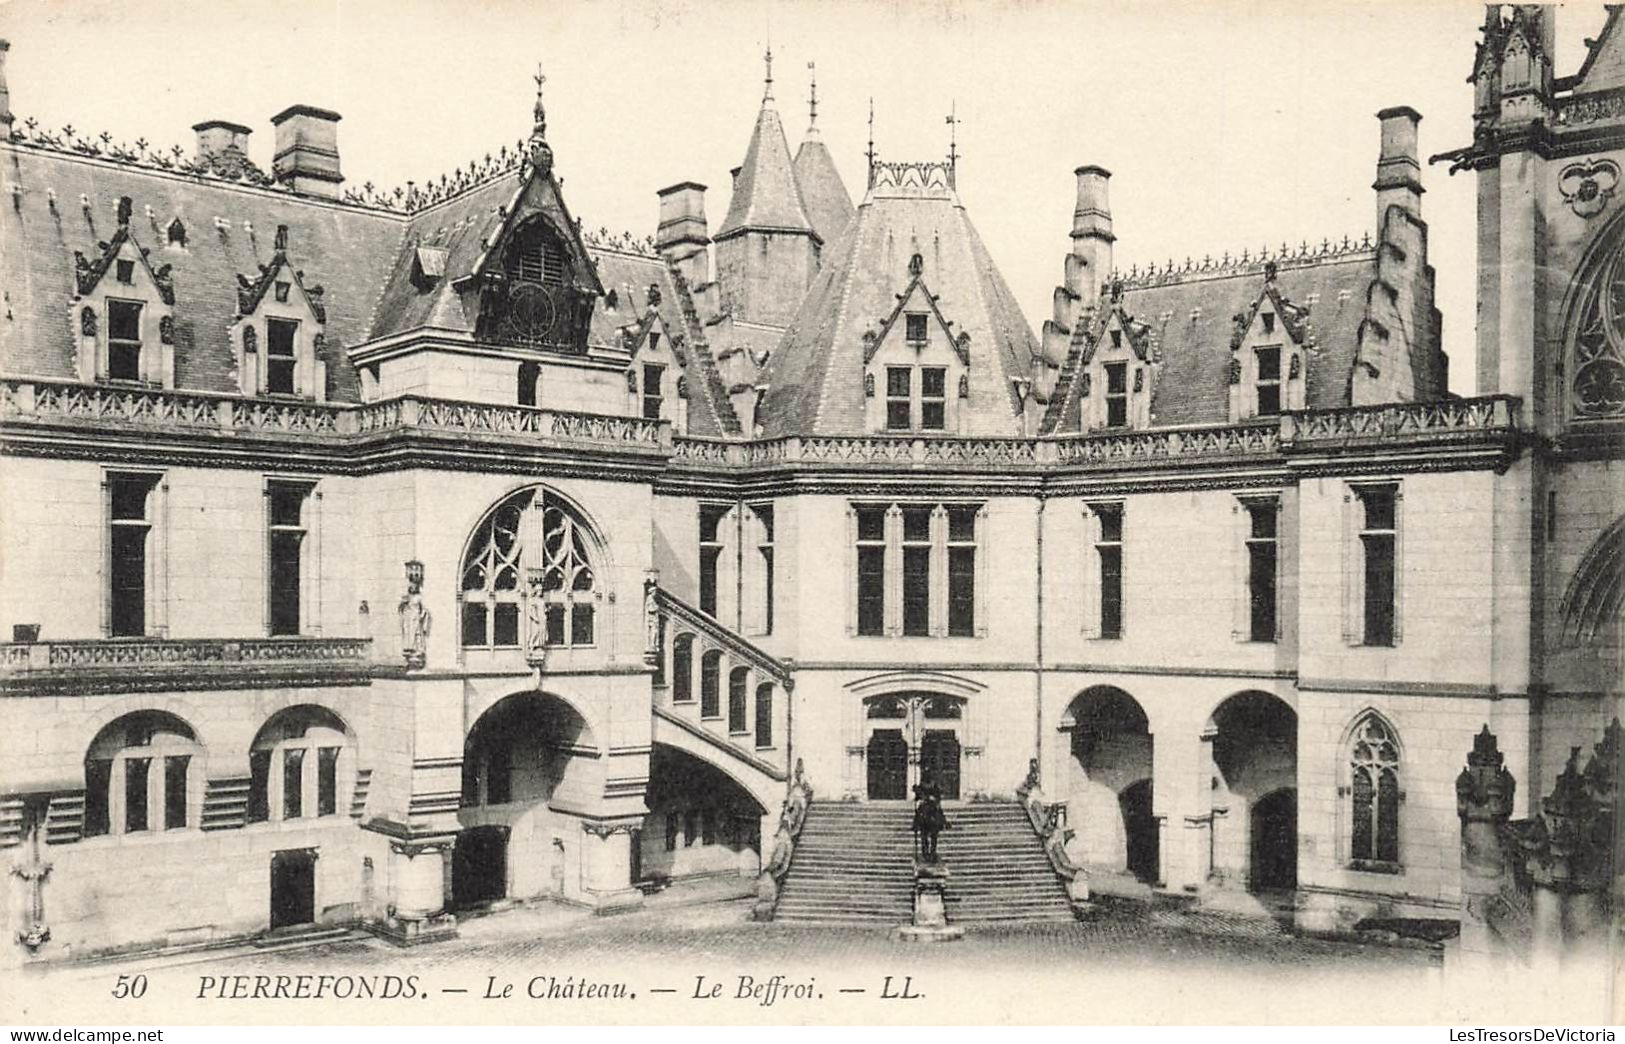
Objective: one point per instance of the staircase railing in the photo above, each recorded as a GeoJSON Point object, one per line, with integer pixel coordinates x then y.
{"type": "Point", "coordinates": [770, 881]}
{"type": "Point", "coordinates": [1048, 821]}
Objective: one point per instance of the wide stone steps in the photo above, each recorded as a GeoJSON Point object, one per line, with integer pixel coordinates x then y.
{"type": "Point", "coordinates": [854, 864]}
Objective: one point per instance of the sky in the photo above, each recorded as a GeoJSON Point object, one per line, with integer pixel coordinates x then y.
{"type": "Point", "coordinates": [1226, 125]}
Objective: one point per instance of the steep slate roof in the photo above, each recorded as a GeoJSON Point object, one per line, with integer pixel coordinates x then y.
{"type": "Point", "coordinates": [815, 376]}
{"type": "Point", "coordinates": [823, 193]}
{"type": "Point", "coordinates": [346, 249]}
{"type": "Point", "coordinates": [765, 194]}
{"type": "Point", "coordinates": [1191, 319]}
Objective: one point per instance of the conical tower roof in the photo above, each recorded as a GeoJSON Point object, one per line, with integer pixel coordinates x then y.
{"type": "Point", "coordinates": [765, 195]}
{"type": "Point", "coordinates": [823, 193]}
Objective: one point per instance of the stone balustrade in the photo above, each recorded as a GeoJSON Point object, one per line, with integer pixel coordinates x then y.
{"type": "Point", "coordinates": [124, 660]}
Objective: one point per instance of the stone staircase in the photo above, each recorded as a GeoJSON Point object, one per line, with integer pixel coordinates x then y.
{"type": "Point", "coordinates": [854, 865]}
{"type": "Point", "coordinates": [997, 870]}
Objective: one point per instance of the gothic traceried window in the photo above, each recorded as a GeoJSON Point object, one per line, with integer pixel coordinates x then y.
{"type": "Point", "coordinates": [528, 577]}
{"type": "Point", "coordinates": [1598, 373]}
{"type": "Point", "coordinates": [1374, 794]}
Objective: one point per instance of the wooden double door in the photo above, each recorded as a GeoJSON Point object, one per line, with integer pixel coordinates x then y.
{"type": "Point", "coordinates": [889, 764]}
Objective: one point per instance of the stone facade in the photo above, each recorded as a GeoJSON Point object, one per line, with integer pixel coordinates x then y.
{"type": "Point", "coordinates": [540, 579]}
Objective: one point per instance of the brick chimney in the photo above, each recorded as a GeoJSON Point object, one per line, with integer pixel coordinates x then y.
{"type": "Point", "coordinates": [216, 136]}
{"type": "Point", "coordinates": [5, 92]}
{"type": "Point", "coordinates": [1399, 174]}
{"type": "Point", "coordinates": [1091, 259]}
{"type": "Point", "coordinates": [307, 150]}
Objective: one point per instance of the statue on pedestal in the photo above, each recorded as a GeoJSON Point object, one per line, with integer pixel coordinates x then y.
{"type": "Point", "coordinates": [415, 619]}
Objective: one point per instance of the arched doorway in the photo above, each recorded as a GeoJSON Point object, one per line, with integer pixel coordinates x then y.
{"type": "Point", "coordinates": [912, 738]}
{"type": "Point", "coordinates": [479, 866]}
{"type": "Point", "coordinates": [1142, 848]}
{"type": "Point", "coordinates": [1109, 788]}
{"type": "Point", "coordinates": [1255, 776]}
{"type": "Point", "coordinates": [1274, 831]}
{"type": "Point", "coordinates": [524, 750]}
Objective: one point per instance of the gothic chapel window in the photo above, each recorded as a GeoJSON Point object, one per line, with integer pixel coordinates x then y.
{"type": "Point", "coordinates": [1598, 370]}
{"type": "Point", "coordinates": [1374, 794]}
{"type": "Point", "coordinates": [532, 540]}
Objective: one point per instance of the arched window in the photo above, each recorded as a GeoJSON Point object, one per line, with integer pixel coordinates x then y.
{"type": "Point", "coordinates": [682, 668]}
{"type": "Point", "coordinates": [1374, 793]}
{"type": "Point", "coordinates": [738, 697]}
{"type": "Point", "coordinates": [764, 714]}
{"type": "Point", "coordinates": [535, 256]}
{"type": "Point", "coordinates": [531, 553]}
{"type": "Point", "coordinates": [711, 684]}
{"type": "Point", "coordinates": [1598, 365]}
{"type": "Point", "coordinates": [138, 775]}
{"type": "Point", "coordinates": [300, 766]}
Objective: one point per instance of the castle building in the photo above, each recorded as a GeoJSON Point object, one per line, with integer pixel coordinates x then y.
{"type": "Point", "coordinates": [373, 557]}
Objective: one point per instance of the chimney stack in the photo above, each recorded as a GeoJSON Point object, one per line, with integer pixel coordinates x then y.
{"type": "Point", "coordinates": [1399, 174]}
{"type": "Point", "coordinates": [1091, 259]}
{"type": "Point", "coordinates": [216, 136]}
{"type": "Point", "coordinates": [307, 150]}
{"type": "Point", "coordinates": [684, 234]}
{"type": "Point", "coordinates": [5, 92]}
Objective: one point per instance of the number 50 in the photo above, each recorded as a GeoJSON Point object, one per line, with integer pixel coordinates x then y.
{"type": "Point", "coordinates": [131, 986]}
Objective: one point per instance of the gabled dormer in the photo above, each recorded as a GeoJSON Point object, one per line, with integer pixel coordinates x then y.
{"type": "Point", "coordinates": [1116, 369]}
{"type": "Point", "coordinates": [123, 312]}
{"type": "Point", "coordinates": [280, 328]}
{"type": "Point", "coordinates": [655, 372]}
{"type": "Point", "coordinates": [1269, 354]}
{"type": "Point", "coordinates": [916, 369]}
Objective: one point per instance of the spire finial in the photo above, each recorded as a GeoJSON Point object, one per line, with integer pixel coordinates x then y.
{"type": "Point", "coordinates": [767, 93]}
{"type": "Point", "coordinates": [953, 139]}
{"type": "Point", "coordinates": [538, 129]}
{"type": "Point", "coordinates": [812, 96]}
{"type": "Point", "coordinates": [871, 141]}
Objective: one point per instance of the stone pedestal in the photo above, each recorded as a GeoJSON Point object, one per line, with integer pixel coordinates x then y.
{"type": "Point", "coordinates": [606, 865]}
{"type": "Point", "coordinates": [930, 915]}
{"type": "Point", "coordinates": [417, 907]}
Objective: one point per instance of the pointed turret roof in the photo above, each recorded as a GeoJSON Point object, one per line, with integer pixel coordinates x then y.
{"type": "Point", "coordinates": [823, 193]}
{"type": "Point", "coordinates": [765, 195]}
{"type": "Point", "coordinates": [815, 376]}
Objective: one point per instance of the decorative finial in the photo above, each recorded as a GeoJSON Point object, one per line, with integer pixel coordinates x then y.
{"type": "Point", "coordinates": [812, 97]}
{"type": "Point", "coordinates": [538, 130]}
{"type": "Point", "coordinates": [871, 152]}
{"type": "Point", "coordinates": [767, 92]}
{"type": "Point", "coordinates": [953, 135]}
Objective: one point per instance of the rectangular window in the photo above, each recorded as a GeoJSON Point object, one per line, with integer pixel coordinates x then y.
{"type": "Point", "coordinates": [1377, 536]}
{"type": "Point", "coordinates": [871, 570]}
{"type": "Point", "coordinates": [1261, 563]}
{"type": "Point", "coordinates": [529, 372]}
{"type": "Point", "coordinates": [327, 781]}
{"type": "Point", "coordinates": [135, 794]}
{"type": "Point", "coordinates": [1116, 395]}
{"type": "Point", "coordinates": [764, 548]}
{"type": "Point", "coordinates": [125, 270]}
{"type": "Point", "coordinates": [175, 773]}
{"type": "Point", "coordinates": [280, 337]}
{"type": "Point", "coordinates": [499, 775]}
{"type": "Point", "coordinates": [711, 684]}
{"type": "Point", "coordinates": [962, 571]}
{"type": "Point", "coordinates": [933, 398]}
{"type": "Point", "coordinates": [916, 571]}
{"type": "Point", "coordinates": [915, 328]}
{"type": "Point", "coordinates": [711, 516]}
{"type": "Point", "coordinates": [1109, 551]}
{"type": "Point", "coordinates": [124, 340]}
{"type": "Point", "coordinates": [1269, 380]}
{"type": "Point", "coordinates": [899, 392]}
{"type": "Point", "coordinates": [293, 783]}
{"type": "Point", "coordinates": [286, 509]}
{"type": "Point", "coordinates": [130, 527]}
{"type": "Point", "coordinates": [259, 786]}
{"type": "Point", "coordinates": [764, 715]}
{"type": "Point", "coordinates": [652, 377]}
{"type": "Point", "coordinates": [581, 617]}
{"type": "Point", "coordinates": [98, 778]}
{"type": "Point", "coordinates": [738, 694]}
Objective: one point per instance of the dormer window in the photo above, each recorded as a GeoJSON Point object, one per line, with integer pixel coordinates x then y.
{"type": "Point", "coordinates": [899, 381]}
{"type": "Point", "coordinates": [653, 376]}
{"type": "Point", "coordinates": [1269, 377]}
{"type": "Point", "coordinates": [915, 331]}
{"type": "Point", "coordinates": [1116, 394]}
{"type": "Point", "coordinates": [281, 337]}
{"type": "Point", "coordinates": [177, 233]}
{"type": "Point", "coordinates": [536, 258]}
{"type": "Point", "coordinates": [124, 340]}
{"type": "Point", "coordinates": [933, 398]}
{"type": "Point", "coordinates": [126, 271]}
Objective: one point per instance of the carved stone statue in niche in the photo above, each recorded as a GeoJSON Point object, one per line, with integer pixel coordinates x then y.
{"type": "Point", "coordinates": [415, 619]}
{"type": "Point", "coordinates": [535, 618]}
{"type": "Point", "coordinates": [651, 618]}
{"type": "Point", "coordinates": [251, 339]}
{"type": "Point", "coordinates": [87, 322]}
